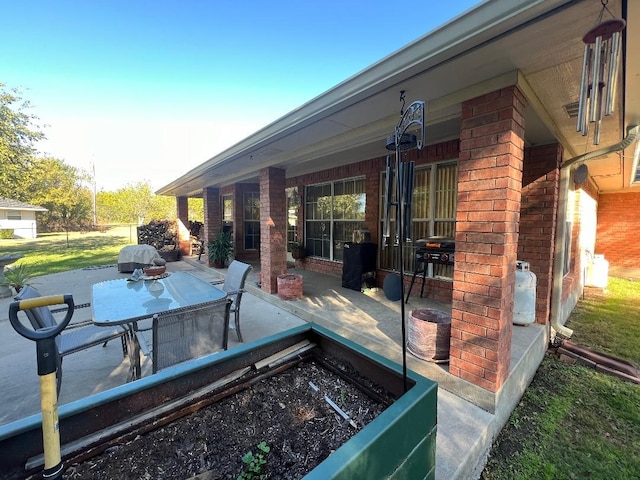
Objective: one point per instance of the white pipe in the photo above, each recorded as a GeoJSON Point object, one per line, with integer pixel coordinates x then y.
{"type": "Point", "coordinates": [558, 261]}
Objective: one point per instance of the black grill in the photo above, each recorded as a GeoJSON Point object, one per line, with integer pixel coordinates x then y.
{"type": "Point", "coordinates": [431, 250]}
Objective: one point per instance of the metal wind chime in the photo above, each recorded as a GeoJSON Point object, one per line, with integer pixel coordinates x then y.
{"type": "Point", "coordinates": [403, 175]}
{"type": "Point", "coordinates": [599, 72]}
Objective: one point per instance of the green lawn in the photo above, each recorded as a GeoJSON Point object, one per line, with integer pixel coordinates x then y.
{"type": "Point", "coordinates": [52, 253]}
{"type": "Point", "coordinates": [574, 422]}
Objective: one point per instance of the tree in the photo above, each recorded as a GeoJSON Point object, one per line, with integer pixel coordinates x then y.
{"type": "Point", "coordinates": [135, 203]}
{"type": "Point", "coordinates": [196, 209]}
{"type": "Point", "coordinates": [59, 188]}
{"type": "Point", "coordinates": [18, 133]}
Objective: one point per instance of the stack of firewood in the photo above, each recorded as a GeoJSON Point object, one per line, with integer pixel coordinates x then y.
{"type": "Point", "coordinates": [162, 234]}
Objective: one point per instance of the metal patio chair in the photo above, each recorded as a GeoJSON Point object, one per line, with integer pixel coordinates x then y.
{"type": "Point", "coordinates": [186, 333]}
{"type": "Point", "coordinates": [233, 286]}
{"type": "Point", "coordinates": [77, 336]}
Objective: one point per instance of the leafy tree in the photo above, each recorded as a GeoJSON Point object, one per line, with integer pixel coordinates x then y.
{"type": "Point", "coordinates": [135, 203]}
{"type": "Point", "coordinates": [196, 209]}
{"type": "Point", "coordinates": [58, 187]}
{"type": "Point", "coordinates": [18, 133]}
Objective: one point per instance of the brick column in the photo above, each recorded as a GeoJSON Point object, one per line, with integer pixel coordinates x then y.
{"type": "Point", "coordinates": [273, 227]}
{"type": "Point", "coordinates": [536, 242]}
{"type": "Point", "coordinates": [489, 185]}
{"type": "Point", "coordinates": [212, 214]}
{"type": "Point", "coordinates": [182, 205]}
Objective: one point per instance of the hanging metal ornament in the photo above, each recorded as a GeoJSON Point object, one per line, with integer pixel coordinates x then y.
{"type": "Point", "coordinates": [402, 200]}
{"type": "Point", "coordinates": [600, 65]}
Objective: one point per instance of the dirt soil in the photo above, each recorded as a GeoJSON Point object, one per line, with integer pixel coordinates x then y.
{"type": "Point", "coordinates": [284, 411]}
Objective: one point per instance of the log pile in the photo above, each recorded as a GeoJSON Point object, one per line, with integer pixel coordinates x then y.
{"type": "Point", "coordinates": [163, 235]}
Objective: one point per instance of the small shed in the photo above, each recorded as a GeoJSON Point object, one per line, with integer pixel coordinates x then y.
{"type": "Point", "coordinates": [19, 217]}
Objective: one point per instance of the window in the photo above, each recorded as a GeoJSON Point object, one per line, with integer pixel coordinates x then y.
{"type": "Point", "coordinates": [251, 202]}
{"type": "Point", "coordinates": [566, 267]}
{"type": "Point", "coordinates": [293, 202]}
{"type": "Point", "coordinates": [227, 209]}
{"type": "Point", "coordinates": [14, 215]}
{"type": "Point", "coordinates": [433, 214]}
{"type": "Point", "coordinates": [333, 211]}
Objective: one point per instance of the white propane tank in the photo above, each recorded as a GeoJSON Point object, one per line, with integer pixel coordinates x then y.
{"type": "Point", "coordinates": [597, 272]}
{"type": "Point", "coordinates": [524, 302]}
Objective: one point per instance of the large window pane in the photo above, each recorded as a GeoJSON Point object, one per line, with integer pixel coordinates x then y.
{"type": "Point", "coordinates": [251, 209]}
{"type": "Point", "coordinates": [333, 212]}
{"type": "Point", "coordinates": [433, 214]}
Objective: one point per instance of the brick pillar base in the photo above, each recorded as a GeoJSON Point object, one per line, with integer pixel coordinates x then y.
{"type": "Point", "coordinates": [490, 182]}
{"type": "Point", "coordinates": [273, 227]}
{"type": "Point", "coordinates": [212, 214]}
{"type": "Point", "coordinates": [182, 205]}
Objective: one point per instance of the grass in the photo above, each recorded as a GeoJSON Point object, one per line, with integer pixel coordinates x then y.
{"type": "Point", "coordinates": [52, 253]}
{"type": "Point", "coordinates": [610, 322]}
{"type": "Point", "coordinates": [574, 422]}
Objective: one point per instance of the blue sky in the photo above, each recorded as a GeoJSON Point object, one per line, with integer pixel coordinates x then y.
{"type": "Point", "coordinates": [147, 90]}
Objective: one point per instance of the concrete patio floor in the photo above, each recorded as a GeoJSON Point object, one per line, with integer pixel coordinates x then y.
{"type": "Point", "coordinates": [465, 430]}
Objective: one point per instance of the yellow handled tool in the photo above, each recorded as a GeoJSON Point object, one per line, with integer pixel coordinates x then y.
{"type": "Point", "coordinates": [47, 365]}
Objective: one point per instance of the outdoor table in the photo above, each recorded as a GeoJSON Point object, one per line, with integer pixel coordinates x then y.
{"type": "Point", "coordinates": [123, 302]}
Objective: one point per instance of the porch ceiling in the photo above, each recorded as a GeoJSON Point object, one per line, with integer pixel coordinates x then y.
{"type": "Point", "coordinates": [536, 44]}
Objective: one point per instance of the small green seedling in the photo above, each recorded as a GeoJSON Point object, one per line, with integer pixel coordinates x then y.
{"type": "Point", "coordinates": [255, 463]}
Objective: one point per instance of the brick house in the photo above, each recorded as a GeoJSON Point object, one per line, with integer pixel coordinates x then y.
{"type": "Point", "coordinates": [498, 173]}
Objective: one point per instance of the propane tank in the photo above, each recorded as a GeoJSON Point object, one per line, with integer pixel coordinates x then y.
{"type": "Point", "coordinates": [524, 302]}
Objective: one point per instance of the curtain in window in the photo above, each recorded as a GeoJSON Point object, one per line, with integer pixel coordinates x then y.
{"type": "Point", "coordinates": [433, 214]}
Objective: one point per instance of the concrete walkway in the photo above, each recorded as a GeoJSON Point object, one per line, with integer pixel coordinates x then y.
{"type": "Point", "coordinates": [465, 430]}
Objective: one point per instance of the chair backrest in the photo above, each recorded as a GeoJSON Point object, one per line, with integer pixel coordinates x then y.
{"type": "Point", "coordinates": [190, 332]}
{"type": "Point", "coordinates": [39, 317]}
{"type": "Point", "coordinates": [236, 276]}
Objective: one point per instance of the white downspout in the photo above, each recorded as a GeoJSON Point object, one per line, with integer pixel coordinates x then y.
{"type": "Point", "coordinates": [558, 260]}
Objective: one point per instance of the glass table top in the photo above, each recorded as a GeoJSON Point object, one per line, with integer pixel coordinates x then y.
{"type": "Point", "coordinates": [120, 301]}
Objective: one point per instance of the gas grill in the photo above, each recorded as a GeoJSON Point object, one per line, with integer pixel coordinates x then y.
{"type": "Point", "coordinates": [431, 250]}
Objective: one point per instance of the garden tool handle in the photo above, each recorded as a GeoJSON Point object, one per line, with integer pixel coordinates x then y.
{"type": "Point", "coordinates": [43, 333]}
{"type": "Point", "coordinates": [47, 364]}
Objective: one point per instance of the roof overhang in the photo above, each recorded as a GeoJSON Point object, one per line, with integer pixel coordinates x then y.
{"type": "Point", "coordinates": [534, 44]}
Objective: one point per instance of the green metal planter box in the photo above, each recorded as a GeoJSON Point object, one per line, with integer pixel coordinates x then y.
{"type": "Point", "coordinates": [398, 443]}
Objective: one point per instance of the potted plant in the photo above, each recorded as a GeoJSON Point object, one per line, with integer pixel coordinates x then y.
{"type": "Point", "coordinates": [17, 276]}
{"type": "Point", "coordinates": [219, 248]}
{"type": "Point", "coordinates": [298, 251]}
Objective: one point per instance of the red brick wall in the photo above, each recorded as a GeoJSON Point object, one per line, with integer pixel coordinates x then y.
{"type": "Point", "coordinates": [372, 169]}
{"type": "Point", "coordinates": [273, 227]}
{"type": "Point", "coordinates": [619, 228]}
{"type": "Point", "coordinates": [212, 212]}
{"type": "Point", "coordinates": [489, 191]}
{"type": "Point", "coordinates": [182, 204]}
{"type": "Point", "coordinates": [536, 242]}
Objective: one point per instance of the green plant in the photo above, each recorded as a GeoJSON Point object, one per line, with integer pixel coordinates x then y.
{"type": "Point", "coordinates": [219, 247]}
{"type": "Point", "coordinates": [17, 276]}
{"type": "Point", "coordinates": [298, 251]}
{"type": "Point", "coordinates": [255, 463]}
{"type": "Point", "coordinates": [6, 233]}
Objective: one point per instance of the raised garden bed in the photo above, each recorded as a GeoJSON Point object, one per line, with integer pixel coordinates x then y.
{"type": "Point", "coordinates": [393, 432]}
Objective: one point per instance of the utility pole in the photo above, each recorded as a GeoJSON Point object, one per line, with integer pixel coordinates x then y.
{"type": "Point", "coordinates": [95, 210]}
